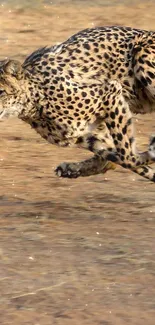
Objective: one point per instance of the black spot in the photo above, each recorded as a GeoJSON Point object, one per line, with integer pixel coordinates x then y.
{"type": "Point", "coordinates": [70, 107]}
{"type": "Point", "coordinates": [112, 115]}
{"type": "Point", "coordinates": [108, 126]}
{"type": "Point", "coordinates": [126, 83]}
{"type": "Point", "coordinates": [124, 130]}
{"type": "Point", "coordinates": [78, 51]}
{"type": "Point", "coordinates": [87, 101]}
{"type": "Point", "coordinates": [92, 93]}
{"type": "Point", "coordinates": [120, 119]}
{"type": "Point", "coordinates": [140, 60]}
{"type": "Point", "coordinates": [122, 151]}
{"type": "Point", "coordinates": [46, 73]}
{"type": "Point", "coordinates": [115, 142]}
{"type": "Point", "coordinates": [106, 103]}
{"type": "Point", "coordinates": [151, 74]}
{"type": "Point", "coordinates": [59, 68]}
{"type": "Point", "coordinates": [106, 56]}
{"type": "Point", "coordinates": [131, 140]}
{"type": "Point", "coordinates": [69, 91]}
{"type": "Point", "coordinates": [95, 100]}
{"type": "Point", "coordinates": [60, 95]}
{"type": "Point", "coordinates": [113, 124]}
{"type": "Point", "coordinates": [61, 87]}
{"type": "Point", "coordinates": [122, 157]}
{"type": "Point", "coordinates": [91, 141]}
{"type": "Point", "coordinates": [106, 115]}
{"type": "Point", "coordinates": [144, 81]}
{"type": "Point", "coordinates": [44, 63]}
{"type": "Point", "coordinates": [129, 121]}
{"type": "Point", "coordinates": [149, 81]}
{"type": "Point", "coordinates": [54, 71]}
{"type": "Point", "coordinates": [54, 81]}
{"type": "Point", "coordinates": [142, 174]}
{"type": "Point", "coordinates": [58, 126]}
{"type": "Point", "coordinates": [79, 140]}
{"type": "Point", "coordinates": [85, 69]}
{"type": "Point", "coordinates": [145, 169]}
{"type": "Point", "coordinates": [116, 111]}
{"type": "Point", "coordinates": [119, 136]}
{"type": "Point", "coordinates": [149, 64]}
{"type": "Point", "coordinates": [113, 102]}
{"type": "Point", "coordinates": [146, 51]}
{"type": "Point", "coordinates": [57, 107]}
{"type": "Point", "coordinates": [130, 73]}
{"type": "Point", "coordinates": [124, 165]}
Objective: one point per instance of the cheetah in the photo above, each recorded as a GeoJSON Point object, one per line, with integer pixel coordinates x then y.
{"type": "Point", "coordinates": [83, 92]}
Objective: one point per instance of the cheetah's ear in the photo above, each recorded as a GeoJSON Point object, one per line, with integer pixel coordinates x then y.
{"type": "Point", "coordinates": [12, 67]}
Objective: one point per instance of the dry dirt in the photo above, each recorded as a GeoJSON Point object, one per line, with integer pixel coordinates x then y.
{"type": "Point", "coordinates": [72, 252]}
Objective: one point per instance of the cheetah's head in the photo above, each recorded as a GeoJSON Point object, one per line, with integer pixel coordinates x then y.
{"type": "Point", "coordinates": [11, 90]}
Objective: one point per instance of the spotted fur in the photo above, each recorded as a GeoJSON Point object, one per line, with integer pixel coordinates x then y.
{"type": "Point", "coordinates": [83, 92]}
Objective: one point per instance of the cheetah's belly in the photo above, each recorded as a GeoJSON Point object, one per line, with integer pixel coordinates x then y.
{"type": "Point", "coordinates": [63, 134]}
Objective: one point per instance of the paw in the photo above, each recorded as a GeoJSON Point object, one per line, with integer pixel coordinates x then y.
{"type": "Point", "coordinates": [151, 150]}
{"type": "Point", "coordinates": [66, 170]}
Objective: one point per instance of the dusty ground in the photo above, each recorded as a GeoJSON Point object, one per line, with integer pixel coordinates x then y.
{"type": "Point", "coordinates": [72, 252]}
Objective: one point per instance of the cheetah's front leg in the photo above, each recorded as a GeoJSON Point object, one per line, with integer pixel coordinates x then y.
{"type": "Point", "coordinates": [92, 166]}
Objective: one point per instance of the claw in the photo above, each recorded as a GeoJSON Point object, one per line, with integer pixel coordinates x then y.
{"type": "Point", "coordinates": [58, 171]}
{"type": "Point", "coordinates": [64, 171]}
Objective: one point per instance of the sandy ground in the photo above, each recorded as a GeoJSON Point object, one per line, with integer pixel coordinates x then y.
{"type": "Point", "coordinates": [72, 252]}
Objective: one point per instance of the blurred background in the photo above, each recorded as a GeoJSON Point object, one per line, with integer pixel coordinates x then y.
{"type": "Point", "coordinates": [71, 251]}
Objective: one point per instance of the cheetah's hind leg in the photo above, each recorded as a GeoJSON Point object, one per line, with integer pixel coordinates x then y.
{"type": "Point", "coordinates": [123, 135]}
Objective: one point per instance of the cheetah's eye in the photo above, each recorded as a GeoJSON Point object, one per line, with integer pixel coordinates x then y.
{"type": "Point", "coordinates": [2, 92]}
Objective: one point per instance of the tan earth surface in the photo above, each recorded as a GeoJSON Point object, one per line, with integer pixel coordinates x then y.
{"type": "Point", "coordinates": [72, 252]}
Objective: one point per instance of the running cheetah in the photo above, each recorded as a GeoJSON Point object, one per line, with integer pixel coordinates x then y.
{"type": "Point", "coordinates": [83, 92]}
